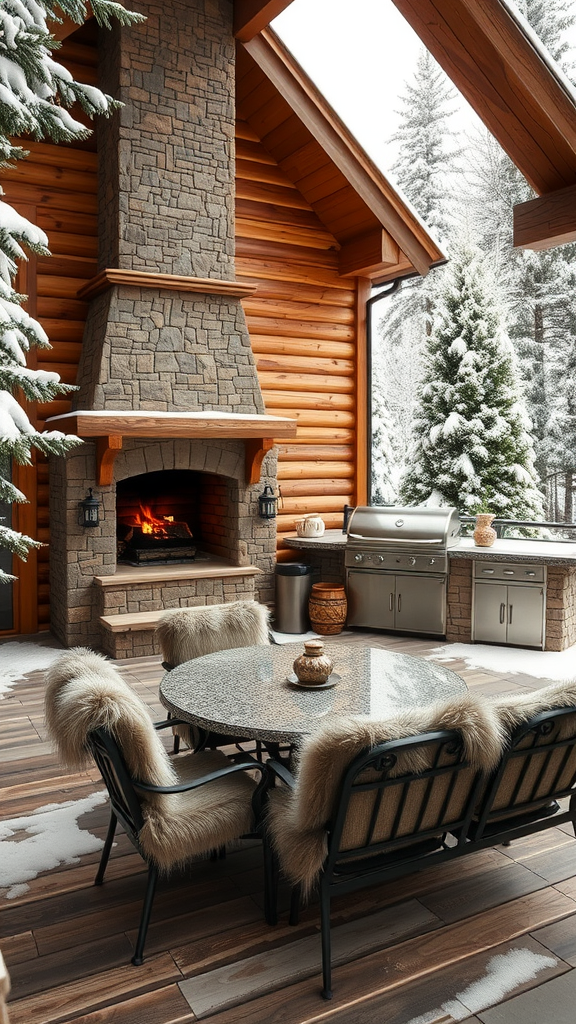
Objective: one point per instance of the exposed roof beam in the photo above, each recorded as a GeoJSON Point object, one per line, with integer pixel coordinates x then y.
{"type": "Point", "coordinates": [546, 222]}
{"type": "Point", "coordinates": [61, 30]}
{"type": "Point", "coordinates": [251, 16]}
{"type": "Point", "coordinates": [341, 147]}
{"type": "Point", "coordinates": [367, 255]}
{"type": "Point", "coordinates": [506, 79]}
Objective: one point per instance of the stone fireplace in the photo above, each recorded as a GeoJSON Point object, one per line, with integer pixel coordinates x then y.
{"type": "Point", "coordinates": [168, 388]}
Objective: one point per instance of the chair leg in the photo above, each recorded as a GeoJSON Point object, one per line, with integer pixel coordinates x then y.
{"type": "Point", "coordinates": [326, 944]}
{"type": "Point", "coordinates": [138, 957]}
{"type": "Point", "coordinates": [107, 848]}
{"type": "Point", "coordinates": [295, 897]}
{"type": "Point", "coordinates": [270, 883]}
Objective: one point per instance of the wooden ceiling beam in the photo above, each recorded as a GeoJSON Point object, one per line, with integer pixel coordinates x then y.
{"type": "Point", "coordinates": [61, 30]}
{"type": "Point", "coordinates": [506, 80]}
{"type": "Point", "coordinates": [339, 145]}
{"type": "Point", "coordinates": [251, 16]}
{"type": "Point", "coordinates": [367, 255]}
{"type": "Point", "coordinates": [546, 222]}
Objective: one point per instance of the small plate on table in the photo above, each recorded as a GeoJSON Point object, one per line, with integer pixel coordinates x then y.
{"type": "Point", "coordinates": [330, 682]}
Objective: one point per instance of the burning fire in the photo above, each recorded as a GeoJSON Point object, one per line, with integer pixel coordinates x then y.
{"type": "Point", "coordinates": [149, 523]}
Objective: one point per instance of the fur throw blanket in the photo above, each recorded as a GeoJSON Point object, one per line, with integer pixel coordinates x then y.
{"type": "Point", "coordinates": [516, 709]}
{"type": "Point", "coordinates": [85, 692]}
{"type": "Point", "coordinates": [297, 819]}
{"type": "Point", "coordinates": [187, 633]}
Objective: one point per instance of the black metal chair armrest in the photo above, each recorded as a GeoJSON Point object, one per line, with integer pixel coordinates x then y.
{"type": "Point", "coordinates": [184, 787]}
{"type": "Point", "coordinates": [281, 772]}
{"type": "Point", "coordinates": [169, 722]}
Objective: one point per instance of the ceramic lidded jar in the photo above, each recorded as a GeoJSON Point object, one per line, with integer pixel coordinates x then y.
{"type": "Point", "coordinates": [314, 666]}
{"type": "Point", "coordinates": [484, 534]}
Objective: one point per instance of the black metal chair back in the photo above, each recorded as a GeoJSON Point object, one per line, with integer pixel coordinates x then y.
{"type": "Point", "coordinates": [123, 797]}
{"type": "Point", "coordinates": [537, 769]}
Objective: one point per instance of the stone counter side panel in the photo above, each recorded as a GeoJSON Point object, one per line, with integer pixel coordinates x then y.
{"type": "Point", "coordinates": [459, 611]}
{"type": "Point", "coordinates": [560, 608]}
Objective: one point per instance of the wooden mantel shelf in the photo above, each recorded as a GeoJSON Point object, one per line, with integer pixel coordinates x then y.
{"type": "Point", "coordinates": [110, 426]}
{"type": "Point", "coordinates": [166, 282]}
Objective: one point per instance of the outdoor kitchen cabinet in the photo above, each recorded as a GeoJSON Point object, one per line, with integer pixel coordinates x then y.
{"type": "Point", "coordinates": [508, 605]}
{"type": "Point", "coordinates": [408, 602]}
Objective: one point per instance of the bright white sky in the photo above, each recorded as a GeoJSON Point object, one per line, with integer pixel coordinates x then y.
{"type": "Point", "coordinates": [359, 55]}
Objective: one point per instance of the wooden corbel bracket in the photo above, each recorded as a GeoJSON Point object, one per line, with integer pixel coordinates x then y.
{"type": "Point", "coordinates": [256, 448]}
{"type": "Point", "coordinates": [107, 449]}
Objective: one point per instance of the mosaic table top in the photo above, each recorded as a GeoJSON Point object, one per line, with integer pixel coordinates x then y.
{"type": "Point", "coordinates": [246, 691]}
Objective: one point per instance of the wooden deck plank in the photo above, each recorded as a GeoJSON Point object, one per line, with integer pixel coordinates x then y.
{"type": "Point", "coordinates": [211, 918]}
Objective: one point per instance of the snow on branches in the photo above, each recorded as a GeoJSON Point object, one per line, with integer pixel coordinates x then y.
{"type": "Point", "coordinates": [36, 95]}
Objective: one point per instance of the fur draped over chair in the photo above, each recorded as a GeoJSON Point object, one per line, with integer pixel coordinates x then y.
{"type": "Point", "coordinates": [297, 819]}
{"type": "Point", "coordinates": [84, 693]}
{"type": "Point", "coordinates": [187, 633]}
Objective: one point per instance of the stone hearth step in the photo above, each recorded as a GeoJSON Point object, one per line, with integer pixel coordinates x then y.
{"type": "Point", "coordinates": [131, 621]}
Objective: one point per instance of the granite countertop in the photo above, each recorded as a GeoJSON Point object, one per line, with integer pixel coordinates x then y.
{"type": "Point", "coordinates": [331, 540]}
{"type": "Point", "coordinates": [524, 551]}
{"type": "Point", "coordinates": [505, 550]}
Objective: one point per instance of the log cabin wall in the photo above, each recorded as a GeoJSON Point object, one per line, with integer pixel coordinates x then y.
{"type": "Point", "coordinates": [306, 326]}
{"type": "Point", "coordinates": [304, 323]}
{"type": "Point", "coordinates": [55, 187]}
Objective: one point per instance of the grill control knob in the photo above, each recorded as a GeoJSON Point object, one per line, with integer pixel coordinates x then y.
{"type": "Point", "coordinates": [380, 558]}
{"type": "Point", "coordinates": [412, 560]}
{"type": "Point", "coordinates": [358, 558]}
{"type": "Point", "coordinates": [432, 561]}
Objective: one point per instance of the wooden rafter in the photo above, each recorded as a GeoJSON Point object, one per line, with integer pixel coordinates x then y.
{"type": "Point", "coordinates": [507, 80]}
{"type": "Point", "coordinates": [328, 131]}
{"type": "Point", "coordinates": [251, 16]}
{"type": "Point", "coordinates": [545, 222]}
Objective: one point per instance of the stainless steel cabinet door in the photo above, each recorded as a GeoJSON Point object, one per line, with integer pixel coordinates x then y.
{"type": "Point", "coordinates": [421, 603]}
{"type": "Point", "coordinates": [525, 616]}
{"type": "Point", "coordinates": [490, 612]}
{"type": "Point", "coordinates": [370, 599]}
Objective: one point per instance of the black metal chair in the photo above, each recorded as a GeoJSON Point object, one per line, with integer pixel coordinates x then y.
{"type": "Point", "coordinates": [173, 809]}
{"type": "Point", "coordinates": [383, 824]}
{"type": "Point", "coordinates": [128, 806]}
{"type": "Point", "coordinates": [188, 633]}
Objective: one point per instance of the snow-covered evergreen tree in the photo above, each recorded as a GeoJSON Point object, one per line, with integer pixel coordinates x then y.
{"type": "Point", "coordinates": [384, 482]}
{"type": "Point", "coordinates": [472, 442]}
{"type": "Point", "coordinates": [426, 160]}
{"type": "Point", "coordinates": [36, 94]}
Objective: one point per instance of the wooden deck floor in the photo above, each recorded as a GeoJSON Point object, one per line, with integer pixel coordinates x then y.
{"type": "Point", "coordinates": [412, 950]}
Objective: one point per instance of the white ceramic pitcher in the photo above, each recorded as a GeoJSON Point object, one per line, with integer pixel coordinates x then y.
{"type": "Point", "coordinates": [311, 525]}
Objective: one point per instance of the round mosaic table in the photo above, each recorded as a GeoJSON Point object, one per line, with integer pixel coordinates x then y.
{"type": "Point", "coordinates": [246, 691]}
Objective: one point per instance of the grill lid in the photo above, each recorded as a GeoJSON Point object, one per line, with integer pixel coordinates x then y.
{"type": "Point", "coordinates": [393, 526]}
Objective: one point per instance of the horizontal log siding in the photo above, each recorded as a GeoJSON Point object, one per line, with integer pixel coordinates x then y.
{"type": "Point", "coordinates": [55, 187]}
{"type": "Point", "coordinates": [302, 324]}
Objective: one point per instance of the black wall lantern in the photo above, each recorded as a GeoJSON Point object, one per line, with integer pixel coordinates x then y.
{"type": "Point", "coordinates": [267, 503]}
{"type": "Point", "coordinates": [89, 510]}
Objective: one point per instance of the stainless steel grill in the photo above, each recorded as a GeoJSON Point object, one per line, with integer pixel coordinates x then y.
{"type": "Point", "coordinates": [397, 567]}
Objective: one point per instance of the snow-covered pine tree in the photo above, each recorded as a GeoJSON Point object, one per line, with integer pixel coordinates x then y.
{"type": "Point", "coordinates": [472, 441]}
{"type": "Point", "coordinates": [423, 169]}
{"type": "Point", "coordinates": [36, 94]}
{"type": "Point", "coordinates": [384, 475]}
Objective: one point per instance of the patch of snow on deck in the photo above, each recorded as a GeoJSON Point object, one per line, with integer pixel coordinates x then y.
{"type": "Point", "coordinates": [504, 973]}
{"type": "Point", "coordinates": [552, 665]}
{"type": "Point", "coordinates": [17, 659]}
{"type": "Point", "coordinates": [52, 838]}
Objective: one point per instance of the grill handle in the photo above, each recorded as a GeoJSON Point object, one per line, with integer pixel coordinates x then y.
{"type": "Point", "coordinates": [392, 539]}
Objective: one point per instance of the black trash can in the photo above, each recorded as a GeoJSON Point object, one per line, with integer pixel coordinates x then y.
{"type": "Point", "coordinates": [293, 584]}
